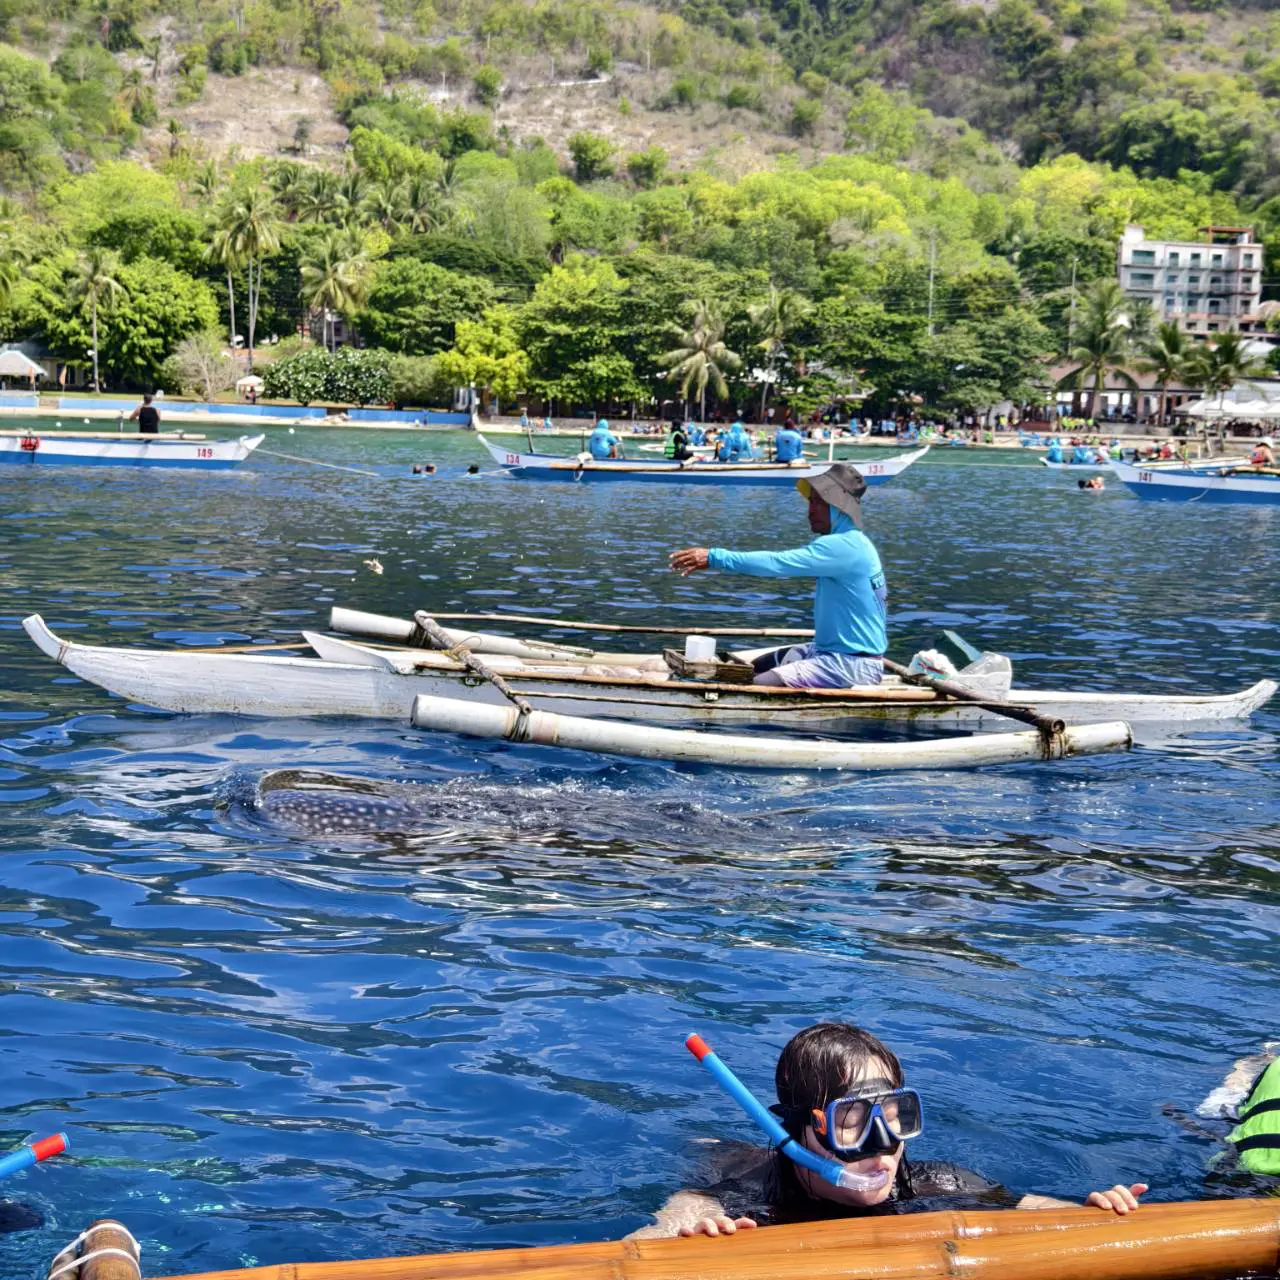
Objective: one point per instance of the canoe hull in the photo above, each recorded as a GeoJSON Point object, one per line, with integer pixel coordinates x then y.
{"type": "Point", "coordinates": [1187, 485]}
{"type": "Point", "coordinates": [542, 466]}
{"type": "Point", "coordinates": [32, 449]}
{"type": "Point", "coordinates": [285, 687]}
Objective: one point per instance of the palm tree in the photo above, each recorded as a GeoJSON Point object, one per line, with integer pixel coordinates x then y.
{"type": "Point", "coordinates": [250, 220]}
{"type": "Point", "coordinates": [207, 181]}
{"type": "Point", "coordinates": [318, 200]}
{"type": "Point", "coordinates": [1102, 345]}
{"type": "Point", "coordinates": [703, 357]}
{"type": "Point", "coordinates": [222, 250]}
{"type": "Point", "coordinates": [334, 279]}
{"type": "Point", "coordinates": [1218, 368]}
{"type": "Point", "coordinates": [387, 205]}
{"type": "Point", "coordinates": [96, 285]}
{"type": "Point", "coordinates": [426, 208]}
{"type": "Point", "coordinates": [779, 314]}
{"type": "Point", "coordinates": [1165, 354]}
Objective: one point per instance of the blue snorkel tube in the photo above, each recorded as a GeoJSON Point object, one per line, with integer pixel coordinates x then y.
{"type": "Point", "coordinates": [832, 1171]}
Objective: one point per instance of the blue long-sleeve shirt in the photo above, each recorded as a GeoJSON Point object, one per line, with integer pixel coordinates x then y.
{"type": "Point", "coordinates": [600, 442]}
{"type": "Point", "coordinates": [851, 599]}
{"type": "Point", "coordinates": [736, 446]}
{"type": "Point", "coordinates": [789, 445]}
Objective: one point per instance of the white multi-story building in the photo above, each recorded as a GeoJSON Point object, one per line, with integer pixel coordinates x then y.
{"type": "Point", "coordinates": [1208, 286]}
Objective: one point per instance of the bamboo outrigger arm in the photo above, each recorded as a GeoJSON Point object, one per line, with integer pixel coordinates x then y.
{"type": "Point", "coordinates": [1209, 1240]}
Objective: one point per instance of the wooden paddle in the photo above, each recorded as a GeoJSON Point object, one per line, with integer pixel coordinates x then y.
{"type": "Point", "coordinates": [1050, 726]}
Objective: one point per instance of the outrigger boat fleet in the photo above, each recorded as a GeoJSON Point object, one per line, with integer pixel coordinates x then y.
{"type": "Point", "coordinates": [627, 693]}
{"type": "Point", "coordinates": [93, 449]}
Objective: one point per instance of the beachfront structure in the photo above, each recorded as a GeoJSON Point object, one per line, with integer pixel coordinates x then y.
{"type": "Point", "coordinates": [1208, 286]}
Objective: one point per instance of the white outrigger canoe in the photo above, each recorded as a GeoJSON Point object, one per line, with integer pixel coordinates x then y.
{"type": "Point", "coordinates": [1214, 482]}
{"type": "Point", "coordinates": [580, 467]}
{"type": "Point", "coordinates": [97, 449]}
{"type": "Point", "coordinates": [356, 680]}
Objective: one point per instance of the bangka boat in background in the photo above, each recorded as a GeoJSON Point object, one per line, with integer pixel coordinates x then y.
{"type": "Point", "coordinates": [1214, 483]}
{"type": "Point", "coordinates": [580, 467]}
{"type": "Point", "coordinates": [98, 449]}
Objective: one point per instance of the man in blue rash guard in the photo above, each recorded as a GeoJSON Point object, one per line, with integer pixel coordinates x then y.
{"type": "Point", "coordinates": [850, 600]}
{"type": "Point", "coordinates": [602, 443]}
{"type": "Point", "coordinates": [788, 445]}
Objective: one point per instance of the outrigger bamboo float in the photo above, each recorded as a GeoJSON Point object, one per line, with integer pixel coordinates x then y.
{"type": "Point", "coordinates": [89, 449]}
{"type": "Point", "coordinates": [1197, 1240]}
{"type": "Point", "coordinates": [549, 466]}
{"type": "Point", "coordinates": [356, 680]}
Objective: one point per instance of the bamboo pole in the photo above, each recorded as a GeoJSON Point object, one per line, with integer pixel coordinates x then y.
{"type": "Point", "coordinates": [1050, 726]}
{"type": "Point", "coordinates": [1193, 1241]}
{"type": "Point", "coordinates": [786, 633]}
{"type": "Point", "coordinates": [550, 729]}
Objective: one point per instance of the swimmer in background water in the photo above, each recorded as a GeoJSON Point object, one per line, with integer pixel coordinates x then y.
{"type": "Point", "coordinates": [842, 1094]}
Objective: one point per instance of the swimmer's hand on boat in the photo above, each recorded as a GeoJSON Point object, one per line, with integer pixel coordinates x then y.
{"type": "Point", "coordinates": [719, 1225]}
{"type": "Point", "coordinates": [688, 561]}
{"type": "Point", "coordinates": [1120, 1199]}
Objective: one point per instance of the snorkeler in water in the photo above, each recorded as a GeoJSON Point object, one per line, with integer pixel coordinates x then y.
{"type": "Point", "coordinates": [848, 1114]}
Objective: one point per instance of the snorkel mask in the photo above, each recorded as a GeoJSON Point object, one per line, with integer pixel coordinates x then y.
{"type": "Point", "coordinates": [873, 1121]}
{"type": "Point", "coordinates": [832, 1171]}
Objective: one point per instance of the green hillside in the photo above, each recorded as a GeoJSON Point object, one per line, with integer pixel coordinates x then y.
{"type": "Point", "coordinates": [582, 200]}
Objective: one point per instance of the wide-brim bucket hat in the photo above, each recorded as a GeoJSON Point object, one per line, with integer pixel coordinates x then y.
{"type": "Point", "coordinates": [840, 486]}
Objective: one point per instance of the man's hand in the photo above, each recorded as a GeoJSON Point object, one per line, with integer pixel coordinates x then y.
{"type": "Point", "coordinates": [688, 561]}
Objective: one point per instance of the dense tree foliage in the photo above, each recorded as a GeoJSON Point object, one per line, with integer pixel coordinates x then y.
{"type": "Point", "coordinates": [921, 263]}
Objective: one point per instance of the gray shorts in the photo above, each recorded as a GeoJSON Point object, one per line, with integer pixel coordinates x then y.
{"type": "Point", "coordinates": [804, 667]}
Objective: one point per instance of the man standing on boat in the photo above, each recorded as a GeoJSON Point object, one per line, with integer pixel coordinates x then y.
{"type": "Point", "coordinates": [147, 417]}
{"type": "Point", "coordinates": [850, 601]}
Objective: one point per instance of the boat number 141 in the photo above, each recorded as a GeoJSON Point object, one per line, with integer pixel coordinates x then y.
{"type": "Point", "coordinates": [1144, 477]}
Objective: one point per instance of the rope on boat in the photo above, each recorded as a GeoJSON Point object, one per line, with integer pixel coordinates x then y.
{"type": "Point", "coordinates": [73, 1258]}
{"type": "Point", "coordinates": [311, 462]}
{"type": "Point", "coordinates": [459, 653]}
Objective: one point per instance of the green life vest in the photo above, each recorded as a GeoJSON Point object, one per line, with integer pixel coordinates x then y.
{"type": "Point", "coordinates": [669, 445]}
{"type": "Point", "coordinates": [1256, 1136]}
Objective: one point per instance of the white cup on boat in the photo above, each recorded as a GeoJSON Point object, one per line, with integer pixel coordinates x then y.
{"type": "Point", "coordinates": [699, 648]}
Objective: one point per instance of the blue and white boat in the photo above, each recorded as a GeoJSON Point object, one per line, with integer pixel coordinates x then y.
{"type": "Point", "coordinates": [88, 449]}
{"type": "Point", "coordinates": [1216, 482]}
{"type": "Point", "coordinates": [583, 467]}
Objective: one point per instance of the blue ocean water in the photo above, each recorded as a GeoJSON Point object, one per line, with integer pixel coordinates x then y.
{"type": "Point", "coordinates": [272, 1046]}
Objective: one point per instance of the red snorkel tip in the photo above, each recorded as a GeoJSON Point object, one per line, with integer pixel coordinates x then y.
{"type": "Point", "coordinates": [48, 1147]}
{"type": "Point", "coordinates": [697, 1046]}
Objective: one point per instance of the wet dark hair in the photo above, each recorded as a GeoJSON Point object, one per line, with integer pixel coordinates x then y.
{"type": "Point", "coordinates": [823, 1061]}
{"type": "Point", "coordinates": [819, 1064]}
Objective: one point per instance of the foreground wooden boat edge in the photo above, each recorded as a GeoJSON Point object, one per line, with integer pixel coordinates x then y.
{"type": "Point", "coordinates": [1208, 1240]}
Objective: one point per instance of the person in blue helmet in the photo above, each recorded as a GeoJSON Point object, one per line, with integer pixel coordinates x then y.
{"type": "Point", "coordinates": [850, 599]}
{"type": "Point", "coordinates": [602, 444]}
{"type": "Point", "coordinates": [788, 444]}
{"type": "Point", "coordinates": [1055, 451]}
{"type": "Point", "coordinates": [736, 445]}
